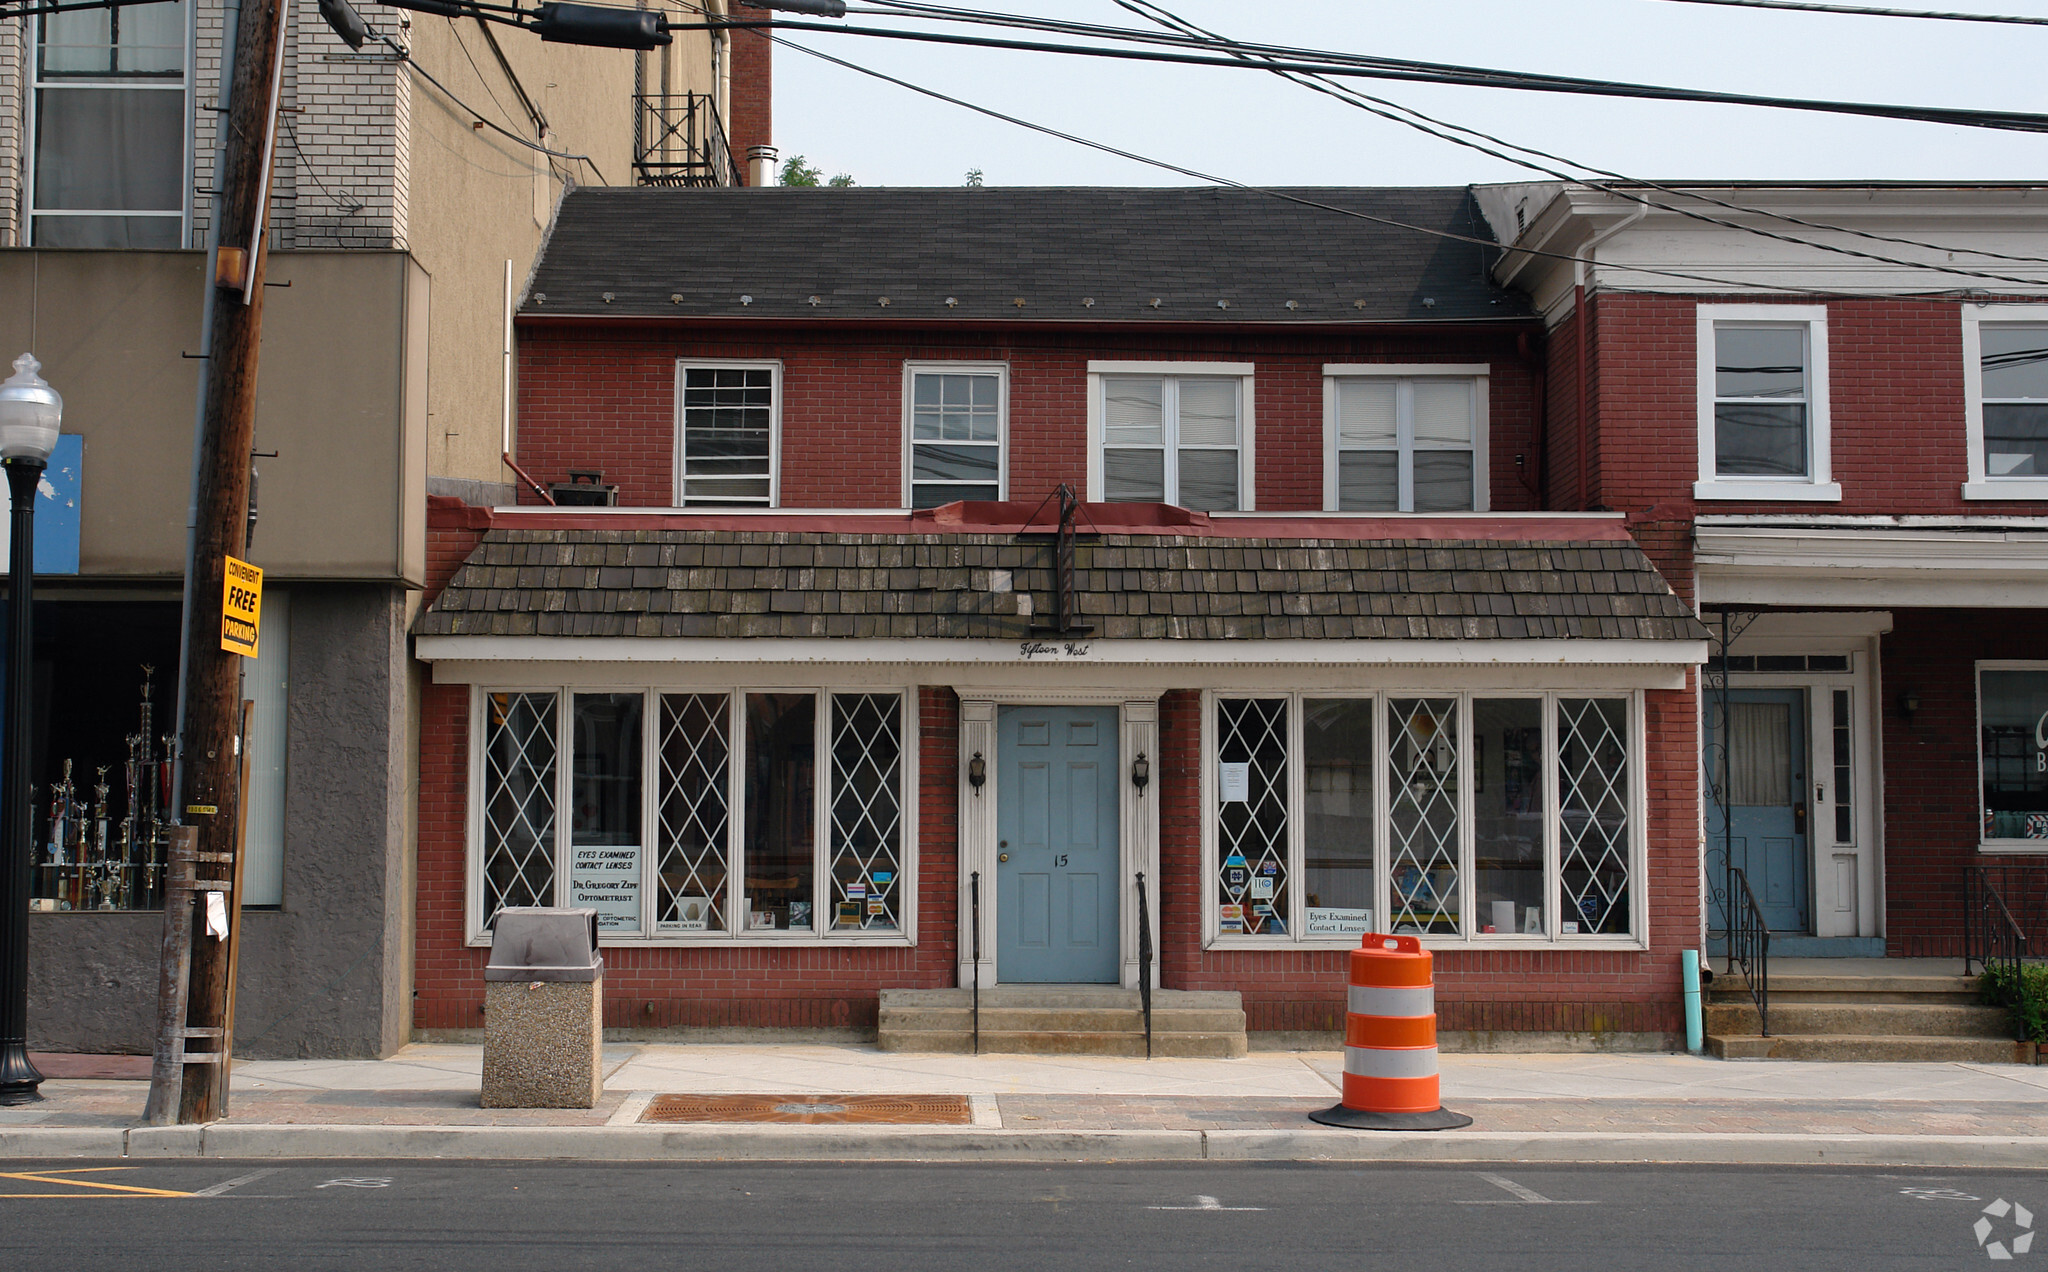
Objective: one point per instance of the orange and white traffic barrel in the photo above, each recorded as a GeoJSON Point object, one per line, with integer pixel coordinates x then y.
{"type": "Point", "coordinates": [1390, 1056]}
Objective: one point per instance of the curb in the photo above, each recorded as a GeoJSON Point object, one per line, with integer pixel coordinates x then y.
{"type": "Point", "coordinates": [954, 1144]}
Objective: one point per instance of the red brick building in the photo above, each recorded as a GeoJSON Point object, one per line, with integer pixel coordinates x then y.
{"type": "Point", "coordinates": [1824, 411]}
{"type": "Point", "coordinates": [834, 688]}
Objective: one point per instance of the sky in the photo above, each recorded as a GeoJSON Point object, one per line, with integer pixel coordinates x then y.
{"type": "Point", "coordinates": [1249, 126]}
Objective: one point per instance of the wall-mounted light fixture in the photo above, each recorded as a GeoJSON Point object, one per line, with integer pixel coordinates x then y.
{"type": "Point", "coordinates": [977, 772]}
{"type": "Point", "coordinates": [1141, 771]}
{"type": "Point", "coordinates": [1909, 704]}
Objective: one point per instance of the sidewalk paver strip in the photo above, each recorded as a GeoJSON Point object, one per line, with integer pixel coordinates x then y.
{"type": "Point", "coordinates": [814, 1110]}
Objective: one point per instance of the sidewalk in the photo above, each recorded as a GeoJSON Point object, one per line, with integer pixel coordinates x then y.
{"type": "Point", "coordinates": [422, 1102]}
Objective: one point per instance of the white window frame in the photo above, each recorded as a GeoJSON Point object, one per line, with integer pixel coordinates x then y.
{"type": "Point", "coordinates": [1469, 937]}
{"type": "Point", "coordinates": [1478, 373]}
{"type": "Point", "coordinates": [1981, 484]}
{"type": "Point", "coordinates": [1986, 844]}
{"type": "Point", "coordinates": [736, 933]}
{"type": "Point", "coordinates": [1000, 370]}
{"type": "Point", "coordinates": [1819, 485]}
{"type": "Point", "coordinates": [1247, 500]}
{"type": "Point", "coordinates": [31, 47]}
{"type": "Point", "coordinates": [774, 369]}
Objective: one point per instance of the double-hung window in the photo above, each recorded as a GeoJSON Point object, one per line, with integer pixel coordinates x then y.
{"type": "Point", "coordinates": [1404, 438]}
{"type": "Point", "coordinates": [1763, 403]}
{"type": "Point", "coordinates": [728, 433]}
{"type": "Point", "coordinates": [955, 432]}
{"type": "Point", "coordinates": [1508, 818]}
{"type": "Point", "coordinates": [2005, 377]}
{"type": "Point", "coordinates": [1177, 433]}
{"type": "Point", "coordinates": [756, 814]}
{"type": "Point", "coordinates": [107, 166]}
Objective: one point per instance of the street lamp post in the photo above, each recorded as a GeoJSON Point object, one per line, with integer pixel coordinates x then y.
{"type": "Point", "coordinates": [30, 411]}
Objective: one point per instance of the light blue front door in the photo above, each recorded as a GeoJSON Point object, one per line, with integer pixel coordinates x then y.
{"type": "Point", "coordinates": [1056, 844]}
{"type": "Point", "coordinates": [1767, 792]}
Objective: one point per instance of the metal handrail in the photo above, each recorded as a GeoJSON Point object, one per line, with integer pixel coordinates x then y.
{"type": "Point", "coordinates": [1993, 938]}
{"type": "Point", "coordinates": [1145, 962]}
{"type": "Point", "coordinates": [1749, 946]}
{"type": "Point", "coordinates": [974, 893]}
{"type": "Point", "coordinates": [679, 140]}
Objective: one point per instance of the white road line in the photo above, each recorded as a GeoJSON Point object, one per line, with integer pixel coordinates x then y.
{"type": "Point", "coordinates": [1205, 1203]}
{"type": "Point", "coordinates": [1522, 1196]}
{"type": "Point", "coordinates": [630, 1110]}
{"type": "Point", "coordinates": [225, 1184]}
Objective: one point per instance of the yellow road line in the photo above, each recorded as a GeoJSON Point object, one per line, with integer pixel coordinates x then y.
{"type": "Point", "coordinates": [106, 1189]}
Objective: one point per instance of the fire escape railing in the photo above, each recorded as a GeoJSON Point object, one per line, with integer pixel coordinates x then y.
{"type": "Point", "coordinates": [679, 140]}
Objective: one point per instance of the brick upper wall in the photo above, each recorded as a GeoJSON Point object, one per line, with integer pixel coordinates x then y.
{"type": "Point", "coordinates": [605, 398]}
{"type": "Point", "coordinates": [1895, 370]}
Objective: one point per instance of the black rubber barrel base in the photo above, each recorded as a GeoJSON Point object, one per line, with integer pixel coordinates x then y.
{"type": "Point", "coordinates": [1360, 1120]}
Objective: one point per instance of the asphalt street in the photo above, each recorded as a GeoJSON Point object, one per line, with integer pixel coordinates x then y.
{"type": "Point", "coordinates": [546, 1216]}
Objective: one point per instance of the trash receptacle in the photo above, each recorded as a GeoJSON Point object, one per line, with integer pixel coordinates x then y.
{"type": "Point", "coordinates": [543, 1010]}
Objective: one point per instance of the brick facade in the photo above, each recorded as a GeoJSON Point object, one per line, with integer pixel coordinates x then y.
{"type": "Point", "coordinates": [604, 397]}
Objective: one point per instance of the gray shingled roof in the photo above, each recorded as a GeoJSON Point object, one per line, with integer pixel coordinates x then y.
{"type": "Point", "coordinates": [696, 253]}
{"type": "Point", "coordinates": [709, 583]}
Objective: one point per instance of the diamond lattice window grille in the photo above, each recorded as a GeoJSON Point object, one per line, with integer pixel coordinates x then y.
{"type": "Point", "coordinates": [1253, 732]}
{"type": "Point", "coordinates": [1593, 830]}
{"type": "Point", "coordinates": [867, 804]}
{"type": "Point", "coordinates": [1422, 813]}
{"type": "Point", "coordinates": [695, 759]}
{"type": "Point", "coordinates": [519, 800]}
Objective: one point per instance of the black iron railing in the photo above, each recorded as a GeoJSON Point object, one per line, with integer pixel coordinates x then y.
{"type": "Point", "coordinates": [1145, 961]}
{"type": "Point", "coordinates": [1749, 946]}
{"type": "Point", "coordinates": [974, 895]}
{"type": "Point", "coordinates": [678, 140]}
{"type": "Point", "coordinates": [1994, 938]}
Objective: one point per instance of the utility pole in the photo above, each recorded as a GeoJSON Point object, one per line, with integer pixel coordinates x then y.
{"type": "Point", "coordinates": [188, 1082]}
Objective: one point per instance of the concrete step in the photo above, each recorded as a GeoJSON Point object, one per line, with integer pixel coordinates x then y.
{"type": "Point", "coordinates": [1063, 1020]}
{"type": "Point", "coordinates": [1959, 990]}
{"type": "Point", "coordinates": [1927, 1020]}
{"type": "Point", "coordinates": [1873, 1047]}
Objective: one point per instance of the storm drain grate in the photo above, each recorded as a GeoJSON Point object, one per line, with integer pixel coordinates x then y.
{"type": "Point", "coordinates": [936, 1110]}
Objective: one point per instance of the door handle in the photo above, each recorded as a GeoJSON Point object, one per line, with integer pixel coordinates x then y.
{"type": "Point", "coordinates": [1798, 819]}
{"type": "Point", "coordinates": [1002, 856]}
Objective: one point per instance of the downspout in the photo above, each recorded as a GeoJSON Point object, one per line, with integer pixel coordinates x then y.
{"type": "Point", "coordinates": [1581, 427]}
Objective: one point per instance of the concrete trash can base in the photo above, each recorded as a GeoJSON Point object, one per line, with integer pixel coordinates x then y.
{"type": "Point", "coordinates": [543, 1011]}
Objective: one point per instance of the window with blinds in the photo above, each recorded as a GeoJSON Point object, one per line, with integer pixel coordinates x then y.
{"type": "Point", "coordinates": [1174, 439]}
{"type": "Point", "coordinates": [1405, 444]}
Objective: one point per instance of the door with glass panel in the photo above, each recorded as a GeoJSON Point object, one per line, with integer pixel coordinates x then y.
{"type": "Point", "coordinates": [1057, 872]}
{"type": "Point", "coordinates": [1766, 755]}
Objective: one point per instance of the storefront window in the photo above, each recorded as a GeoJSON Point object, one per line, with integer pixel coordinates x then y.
{"type": "Point", "coordinates": [1338, 822]}
{"type": "Point", "coordinates": [1422, 815]}
{"type": "Point", "coordinates": [1593, 821]}
{"type": "Point", "coordinates": [519, 800]}
{"type": "Point", "coordinates": [1500, 818]}
{"type": "Point", "coordinates": [604, 826]}
{"type": "Point", "coordinates": [2012, 711]}
{"type": "Point", "coordinates": [740, 837]}
{"type": "Point", "coordinates": [1251, 816]}
{"type": "Point", "coordinates": [695, 756]}
{"type": "Point", "coordinates": [867, 811]}
{"type": "Point", "coordinates": [781, 804]}
{"type": "Point", "coordinates": [1507, 815]}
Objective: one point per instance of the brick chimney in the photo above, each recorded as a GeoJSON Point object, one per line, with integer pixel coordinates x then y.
{"type": "Point", "coordinates": [752, 99]}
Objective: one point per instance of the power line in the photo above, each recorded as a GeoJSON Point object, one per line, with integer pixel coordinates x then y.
{"type": "Point", "coordinates": [1158, 13]}
{"type": "Point", "coordinates": [1283, 195]}
{"type": "Point", "coordinates": [1869, 11]}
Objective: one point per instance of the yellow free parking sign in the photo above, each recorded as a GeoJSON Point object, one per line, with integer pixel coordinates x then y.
{"type": "Point", "coordinates": [241, 607]}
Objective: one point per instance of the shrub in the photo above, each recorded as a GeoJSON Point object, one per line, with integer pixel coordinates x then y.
{"type": "Point", "coordinates": [1999, 986]}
